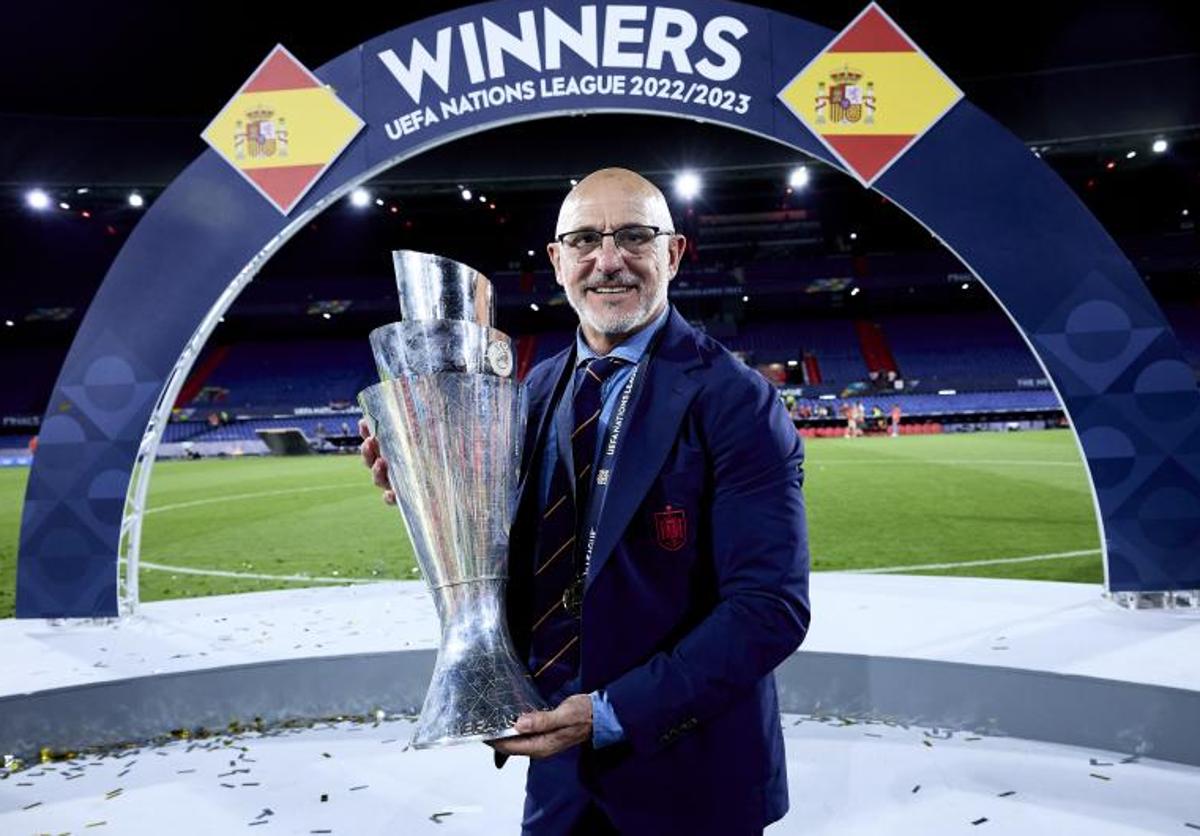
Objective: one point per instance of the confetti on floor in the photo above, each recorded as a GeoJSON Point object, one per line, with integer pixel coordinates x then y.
{"type": "Point", "coordinates": [841, 782]}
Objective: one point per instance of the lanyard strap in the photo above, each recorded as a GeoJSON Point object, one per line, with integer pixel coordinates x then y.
{"type": "Point", "coordinates": [614, 435]}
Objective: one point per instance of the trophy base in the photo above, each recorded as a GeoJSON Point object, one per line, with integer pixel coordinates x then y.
{"type": "Point", "coordinates": [479, 687]}
{"type": "Point", "coordinates": [474, 738]}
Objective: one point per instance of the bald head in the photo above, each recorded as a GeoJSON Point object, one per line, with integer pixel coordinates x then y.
{"type": "Point", "coordinates": [631, 196]}
{"type": "Point", "coordinates": [616, 288]}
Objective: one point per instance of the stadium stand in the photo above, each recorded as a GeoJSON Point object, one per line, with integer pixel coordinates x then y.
{"type": "Point", "coordinates": [36, 367]}
{"type": "Point", "coordinates": [931, 347]}
{"type": "Point", "coordinates": [239, 387]}
{"type": "Point", "coordinates": [1185, 321]}
{"type": "Point", "coordinates": [312, 426]}
{"type": "Point", "coordinates": [547, 345]}
{"type": "Point", "coordinates": [942, 405]}
{"type": "Point", "coordinates": [265, 376]}
{"type": "Point", "coordinates": [15, 443]}
{"type": "Point", "coordinates": [833, 341]}
{"type": "Point", "coordinates": [925, 414]}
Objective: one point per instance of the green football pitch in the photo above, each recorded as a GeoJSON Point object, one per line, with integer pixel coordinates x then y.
{"type": "Point", "coordinates": [988, 504]}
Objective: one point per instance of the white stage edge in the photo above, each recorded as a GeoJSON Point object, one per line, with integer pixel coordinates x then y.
{"type": "Point", "coordinates": [1034, 625]}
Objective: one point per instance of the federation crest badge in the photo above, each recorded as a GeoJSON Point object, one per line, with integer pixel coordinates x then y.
{"type": "Point", "coordinates": [670, 528]}
{"type": "Point", "coordinates": [260, 135]}
{"type": "Point", "coordinates": [845, 100]}
{"type": "Point", "coordinates": [500, 358]}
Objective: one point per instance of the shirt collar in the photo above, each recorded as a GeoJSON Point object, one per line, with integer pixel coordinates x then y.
{"type": "Point", "coordinates": [630, 351]}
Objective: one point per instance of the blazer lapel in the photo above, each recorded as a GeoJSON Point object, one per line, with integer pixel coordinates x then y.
{"type": "Point", "coordinates": [651, 432]}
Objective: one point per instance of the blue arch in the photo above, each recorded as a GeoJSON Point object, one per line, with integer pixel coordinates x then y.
{"type": "Point", "coordinates": [1083, 309]}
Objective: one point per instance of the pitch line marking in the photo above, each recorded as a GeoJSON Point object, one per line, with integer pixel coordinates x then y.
{"type": "Point", "coordinates": [1032, 558]}
{"type": "Point", "coordinates": [235, 496]}
{"type": "Point", "coordinates": [222, 573]}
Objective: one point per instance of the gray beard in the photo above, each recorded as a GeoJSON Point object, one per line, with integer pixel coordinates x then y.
{"type": "Point", "coordinates": [617, 325]}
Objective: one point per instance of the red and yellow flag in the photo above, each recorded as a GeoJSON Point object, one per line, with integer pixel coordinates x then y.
{"type": "Point", "coordinates": [870, 95]}
{"type": "Point", "coordinates": [282, 129]}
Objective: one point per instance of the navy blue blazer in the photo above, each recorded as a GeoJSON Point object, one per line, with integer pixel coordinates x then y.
{"type": "Point", "coordinates": [698, 589]}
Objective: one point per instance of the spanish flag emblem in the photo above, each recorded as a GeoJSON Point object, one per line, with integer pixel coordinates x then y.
{"type": "Point", "coordinates": [282, 129]}
{"type": "Point", "coordinates": [870, 95]}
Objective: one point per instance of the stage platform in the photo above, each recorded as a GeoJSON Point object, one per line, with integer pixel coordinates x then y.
{"type": "Point", "coordinates": [916, 705]}
{"type": "Point", "coordinates": [844, 780]}
{"type": "Point", "coordinates": [1037, 625]}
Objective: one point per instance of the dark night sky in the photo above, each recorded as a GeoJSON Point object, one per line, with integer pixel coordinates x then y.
{"type": "Point", "coordinates": [150, 59]}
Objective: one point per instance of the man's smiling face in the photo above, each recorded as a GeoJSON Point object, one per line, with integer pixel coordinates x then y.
{"type": "Point", "coordinates": [615, 291]}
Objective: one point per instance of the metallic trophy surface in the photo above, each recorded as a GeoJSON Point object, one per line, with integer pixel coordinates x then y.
{"type": "Point", "coordinates": [450, 417]}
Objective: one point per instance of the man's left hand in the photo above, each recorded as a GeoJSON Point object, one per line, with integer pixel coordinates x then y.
{"type": "Point", "coordinates": [546, 733]}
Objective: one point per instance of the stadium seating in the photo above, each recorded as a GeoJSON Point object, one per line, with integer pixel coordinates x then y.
{"type": "Point", "coordinates": [270, 378]}
{"type": "Point", "coordinates": [312, 426]}
{"type": "Point", "coordinates": [833, 341]}
{"type": "Point", "coordinates": [1185, 322]}
{"type": "Point", "coordinates": [265, 377]}
{"type": "Point", "coordinates": [15, 442]}
{"type": "Point", "coordinates": [940, 405]}
{"type": "Point", "coordinates": [931, 347]}
{"type": "Point", "coordinates": [36, 367]}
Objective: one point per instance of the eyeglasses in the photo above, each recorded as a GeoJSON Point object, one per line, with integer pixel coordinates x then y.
{"type": "Point", "coordinates": [635, 240]}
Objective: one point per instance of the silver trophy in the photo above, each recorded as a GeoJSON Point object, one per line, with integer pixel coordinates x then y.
{"type": "Point", "coordinates": [450, 420]}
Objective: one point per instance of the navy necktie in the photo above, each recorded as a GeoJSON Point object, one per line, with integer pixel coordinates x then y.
{"type": "Point", "coordinates": [558, 576]}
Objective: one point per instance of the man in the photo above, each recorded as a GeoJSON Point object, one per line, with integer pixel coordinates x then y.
{"type": "Point", "coordinates": [678, 538]}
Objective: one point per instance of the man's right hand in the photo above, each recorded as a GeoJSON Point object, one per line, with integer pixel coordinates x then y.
{"type": "Point", "coordinates": [377, 464]}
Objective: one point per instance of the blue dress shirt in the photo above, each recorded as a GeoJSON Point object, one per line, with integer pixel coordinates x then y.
{"type": "Point", "coordinates": [606, 728]}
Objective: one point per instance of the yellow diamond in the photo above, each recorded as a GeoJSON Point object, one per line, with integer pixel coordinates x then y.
{"type": "Point", "coordinates": [870, 95]}
{"type": "Point", "coordinates": [283, 129]}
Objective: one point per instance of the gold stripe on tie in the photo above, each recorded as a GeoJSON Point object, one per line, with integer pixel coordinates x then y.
{"type": "Point", "coordinates": [561, 549]}
{"type": "Point", "coordinates": [588, 369]}
{"type": "Point", "coordinates": [554, 658]}
{"type": "Point", "coordinates": [538, 623]}
{"type": "Point", "coordinates": [583, 472]}
{"type": "Point", "coordinates": [554, 507]}
{"type": "Point", "coordinates": [581, 427]}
